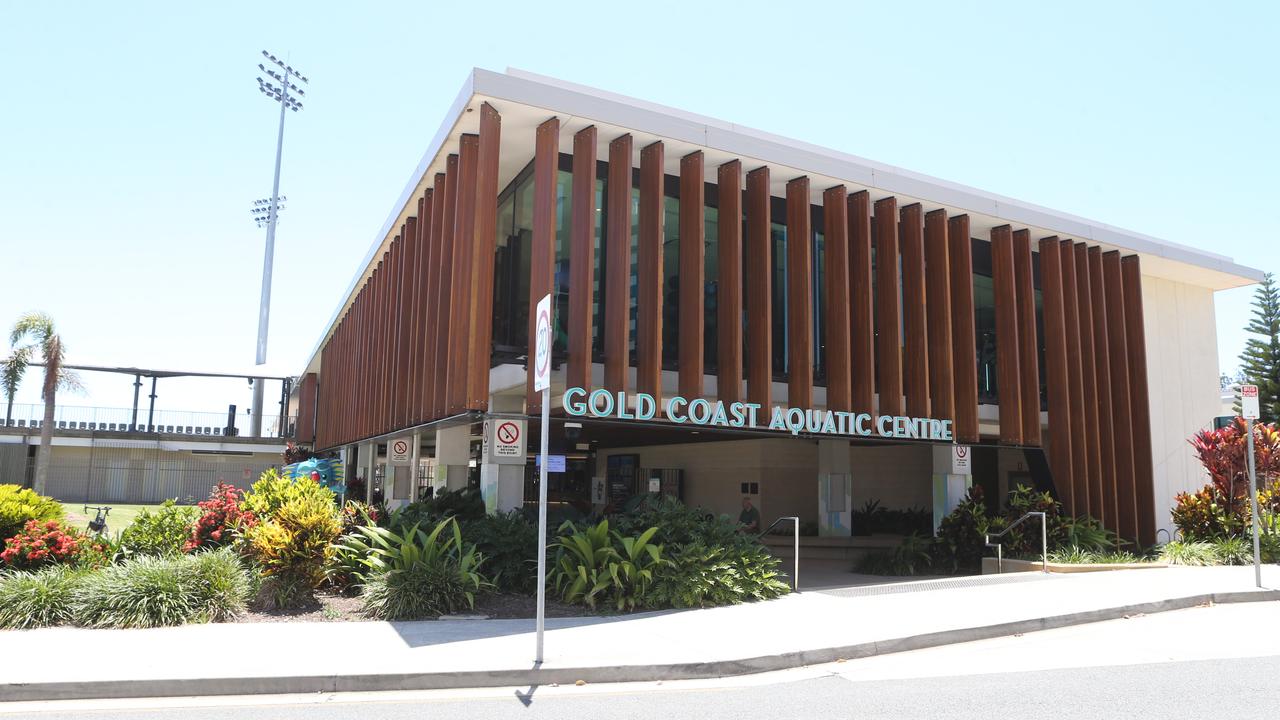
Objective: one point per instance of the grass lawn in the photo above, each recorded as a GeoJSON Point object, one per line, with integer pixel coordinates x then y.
{"type": "Point", "coordinates": [120, 517]}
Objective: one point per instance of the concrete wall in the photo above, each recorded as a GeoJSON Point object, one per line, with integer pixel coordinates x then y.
{"type": "Point", "coordinates": [899, 476]}
{"type": "Point", "coordinates": [1182, 367]}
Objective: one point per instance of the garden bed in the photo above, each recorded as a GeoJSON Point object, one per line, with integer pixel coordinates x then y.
{"type": "Point", "coordinates": [335, 607]}
{"type": "Point", "coordinates": [989, 566]}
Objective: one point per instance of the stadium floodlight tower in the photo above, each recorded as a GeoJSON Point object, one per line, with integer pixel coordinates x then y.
{"type": "Point", "coordinates": [280, 88]}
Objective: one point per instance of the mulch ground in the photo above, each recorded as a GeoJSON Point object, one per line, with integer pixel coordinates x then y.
{"type": "Point", "coordinates": [333, 607]}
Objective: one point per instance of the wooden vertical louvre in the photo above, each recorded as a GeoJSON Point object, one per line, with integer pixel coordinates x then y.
{"type": "Point", "coordinates": [542, 253]}
{"type": "Point", "coordinates": [464, 227]}
{"type": "Point", "coordinates": [1140, 401]}
{"type": "Point", "coordinates": [408, 316]}
{"type": "Point", "coordinates": [1055, 366]}
{"type": "Point", "coordinates": [442, 237]}
{"type": "Point", "coordinates": [692, 271]}
{"type": "Point", "coordinates": [964, 331]}
{"type": "Point", "coordinates": [582, 263]}
{"type": "Point", "coordinates": [1121, 395]}
{"type": "Point", "coordinates": [862, 327]}
{"type": "Point", "coordinates": [758, 286]}
{"type": "Point", "coordinates": [799, 295]}
{"type": "Point", "coordinates": [914, 312]}
{"type": "Point", "coordinates": [1028, 343]}
{"type": "Point", "coordinates": [448, 374]}
{"type": "Point", "coordinates": [1093, 451]}
{"type": "Point", "coordinates": [937, 269]}
{"type": "Point", "coordinates": [1102, 368]}
{"type": "Point", "coordinates": [729, 291]}
{"type": "Point", "coordinates": [835, 292]}
{"type": "Point", "coordinates": [484, 241]}
{"type": "Point", "coordinates": [1008, 382]}
{"type": "Point", "coordinates": [1080, 501]}
{"type": "Point", "coordinates": [649, 272]}
{"type": "Point", "coordinates": [417, 263]}
{"type": "Point", "coordinates": [888, 345]}
{"type": "Point", "coordinates": [617, 288]}
{"type": "Point", "coordinates": [427, 261]}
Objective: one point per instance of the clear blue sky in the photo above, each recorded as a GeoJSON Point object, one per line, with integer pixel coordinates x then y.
{"type": "Point", "coordinates": [133, 138]}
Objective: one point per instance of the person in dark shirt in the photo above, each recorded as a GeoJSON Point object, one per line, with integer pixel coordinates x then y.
{"type": "Point", "coordinates": [749, 518]}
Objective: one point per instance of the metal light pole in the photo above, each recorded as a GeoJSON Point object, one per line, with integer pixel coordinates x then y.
{"type": "Point", "coordinates": [278, 91]}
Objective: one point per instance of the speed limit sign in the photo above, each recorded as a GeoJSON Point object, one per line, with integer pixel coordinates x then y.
{"type": "Point", "coordinates": [542, 347]}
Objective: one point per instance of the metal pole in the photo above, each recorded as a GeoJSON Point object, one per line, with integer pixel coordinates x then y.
{"type": "Point", "coordinates": [795, 576]}
{"type": "Point", "coordinates": [137, 387]}
{"type": "Point", "coordinates": [545, 441]}
{"type": "Point", "coordinates": [264, 305]}
{"type": "Point", "coordinates": [1044, 543]}
{"type": "Point", "coordinates": [1253, 495]}
{"type": "Point", "coordinates": [151, 410]}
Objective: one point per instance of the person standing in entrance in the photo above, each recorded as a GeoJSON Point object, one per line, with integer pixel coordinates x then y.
{"type": "Point", "coordinates": [749, 518]}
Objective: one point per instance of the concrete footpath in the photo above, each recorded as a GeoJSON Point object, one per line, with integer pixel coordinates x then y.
{"type": "Point", "coordinates": [813, 626]}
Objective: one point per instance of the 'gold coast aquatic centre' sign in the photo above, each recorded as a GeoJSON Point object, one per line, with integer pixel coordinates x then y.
{"type": "Point", "coordinates": [580, 402]}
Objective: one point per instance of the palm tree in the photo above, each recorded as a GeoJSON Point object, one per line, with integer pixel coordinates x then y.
{"type": "Point", "coordinates": [34, 333]}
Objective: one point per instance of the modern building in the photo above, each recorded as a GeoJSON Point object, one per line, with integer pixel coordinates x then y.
{"type": "Point", "coordinates": [740, 314]}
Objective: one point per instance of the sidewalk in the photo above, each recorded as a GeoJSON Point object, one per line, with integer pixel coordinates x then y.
{"type": "Point", "coordinates": [801, 629]}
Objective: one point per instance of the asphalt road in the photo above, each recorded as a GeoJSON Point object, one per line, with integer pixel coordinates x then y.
{"type": "Point", "coordinates": [1222, 661]}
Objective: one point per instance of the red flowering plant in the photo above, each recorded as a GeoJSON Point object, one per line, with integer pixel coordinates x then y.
{"type": "Point", "coordinates": [46, 542]}
{"type": "Point", "coordinates": [221, 517]}
{"type": "Point", "coordinates": [1221, 508]}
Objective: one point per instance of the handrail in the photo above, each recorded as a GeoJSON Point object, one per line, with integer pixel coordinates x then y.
{"type": "Point", "coordinates": [1044, 541]}
{"type": "Point", "coordinates": [795, 573]}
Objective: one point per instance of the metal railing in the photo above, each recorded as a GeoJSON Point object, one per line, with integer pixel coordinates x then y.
{"type": "Point", "coordinates": [104, 419]}
{"type": "Point", "coordinates": [1044, 541]}
{"type": "Point", "coordinates": [795, 573]}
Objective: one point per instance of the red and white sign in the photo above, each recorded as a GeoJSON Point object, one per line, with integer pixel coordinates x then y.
{"type": "Point", "coordinates": [398, 452]}
{"type": "Point", "coordinates": [960, 460]}
{"type": "Point", "coordinates": [1249, 402]}
{"type": "Point", "coordinates": [506, 439]}
{"type": "Point", "coordinates": [542, 347]}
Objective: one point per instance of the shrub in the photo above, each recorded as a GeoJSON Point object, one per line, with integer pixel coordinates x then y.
{"type": "Point", "coordinates": [1076, 555]}
{"type": "Point", "coordinates": [292, 547]}
{"type": "Point", "coordinates": [19, 505]}
{"type": "Point", "coordinates": [44, 543]}
{"type": "Point", "coordinates": [1088, 534]}
{"type": "Point", "coordinates": [509, 544]}
{"type": "Point", "coordinates": [356, 514]}
{"type": "Point", "coordinates": [156, 592]}
{"type": "Point", "coordinates": [221, 517]}
{"type": "Point", "coordinates": [464, 505]}
{"type": "Point", "coordinates": [1205, 515]}
{"type": "Point", "coordinates": [160, 532]}
{"type": "Point", "coordinates": [594, 564]}
{"type": "Point", "coordinates": [414, 574]}
{"type": "Point", "coordinates": [1233, 551]}
{"type": "Point", "coordinates": [1025, 539]}
{"type": "Point", "coordinates": [744, 569]}
{"type": "Point", "coordinates": [960, 540]}
{"type": "Point", "coordinates": [272, 492]}
{"type": "Point", "coordinates": [1188, 553]}
{"type": "Point", "coordinates": [38, 599]}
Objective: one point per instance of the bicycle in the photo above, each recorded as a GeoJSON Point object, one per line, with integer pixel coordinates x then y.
{"type": "Point", "coordinates": [98, 525]}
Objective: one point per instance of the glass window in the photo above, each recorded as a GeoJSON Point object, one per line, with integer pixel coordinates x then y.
{"type": "Point", "coordinates": [560, 286]}
{"type": "Point", "coordinates": [671, 283]}
{"type": "Point", "coordinates": [984, 308]}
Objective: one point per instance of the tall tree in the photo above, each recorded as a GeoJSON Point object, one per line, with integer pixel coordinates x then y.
{"type": "Point", "coordinates": [1260, 360]}
{"type": "Point", "coordinates": [12, 369]}
{"type": "Point", "coordinates": [34, 335]}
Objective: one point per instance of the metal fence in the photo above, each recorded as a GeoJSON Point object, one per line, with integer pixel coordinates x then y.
{"type": "Point", "coordinates": [182, 422]}
{"type": "Point", "coordinates": [132, 472]}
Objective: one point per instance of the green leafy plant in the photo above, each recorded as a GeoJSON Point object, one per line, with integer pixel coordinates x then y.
{"type": "Point", "coordinates": [164, 531]}
{"type": "Point", "coordinates": [18, 505]}
{"type": "Point", "coordinates": [159, 591]}
{"type": "Point", "coordinates": [595, 564]}
{"type": "Point", "coordinates": [961, 535]}
{"type": "Point", "coordinates": [509, 544]}
{"type": "Point", "coordinates": [414, 574]}
{"type": "Point", "coordinates": [913, 555]}
{"type": "Point", "coordinates": [38, 599]}
{"type": "Point", "coordinates": [1233, 551]}
{"type": "Point", "coordinates": [1077, 555]}
{"type": "Point", "coordinates": [293, 546]}
{"type": "Point", "coordinates": [463, 505]}
{"type": "Point", "coordinates": [272, 492]}
{"type": "Point", "coordinates": [1086, 533]}
{"type": "Point", "coordinates": [1196, 553]}
{"type": "Point", "coordinates": [745, 568]}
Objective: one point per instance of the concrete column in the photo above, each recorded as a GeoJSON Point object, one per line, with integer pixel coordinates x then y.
{"type": "Point", "coordinates": [949, 488]}
{"type": "Point", "coordinates": [502, 477]}
{"type": "Point", "coordinates": [453, 455]}
{"type": "Point", "coordinates": [370, 469]}
{"type": "Point", "coordinates": [414, 460]}
{"type": "Point", "coordinates": [835, 489]}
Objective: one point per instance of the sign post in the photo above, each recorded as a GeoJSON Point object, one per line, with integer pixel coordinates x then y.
{"type": "Point", "coordinates": [542, 383]}
{"type": "Point", "coordinates": [1249, 410]}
